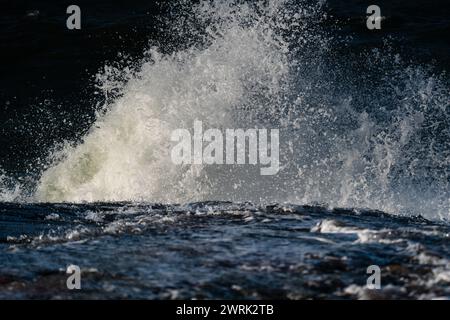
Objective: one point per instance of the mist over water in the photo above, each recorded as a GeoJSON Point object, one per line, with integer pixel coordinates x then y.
{"type": "Point", "coordinates": [364, 130]}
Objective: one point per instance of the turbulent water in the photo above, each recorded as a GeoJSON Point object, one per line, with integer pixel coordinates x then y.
{"type": "Point", "coordinates": [362, 128]}
{"type": "Point", "coordinates": [371, 133]}
{"type": "Point", "coordinates": [219, 250]}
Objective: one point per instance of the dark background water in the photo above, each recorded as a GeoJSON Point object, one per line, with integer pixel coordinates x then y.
{"type": "Point", "coordinates": [47, 87]}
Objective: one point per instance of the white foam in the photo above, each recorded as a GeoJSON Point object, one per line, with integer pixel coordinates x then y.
{"type": "Point", "coordinates": [339, 145]}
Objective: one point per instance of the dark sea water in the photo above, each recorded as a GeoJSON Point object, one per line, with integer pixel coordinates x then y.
{"type": "Point", "coordinates": [85, 117]}
{"type": "Point", "coordinates": [219, 251]}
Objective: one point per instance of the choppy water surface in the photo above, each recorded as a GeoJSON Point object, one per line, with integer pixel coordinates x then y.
{"type": "Point", "coordinates": [219, 250]}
